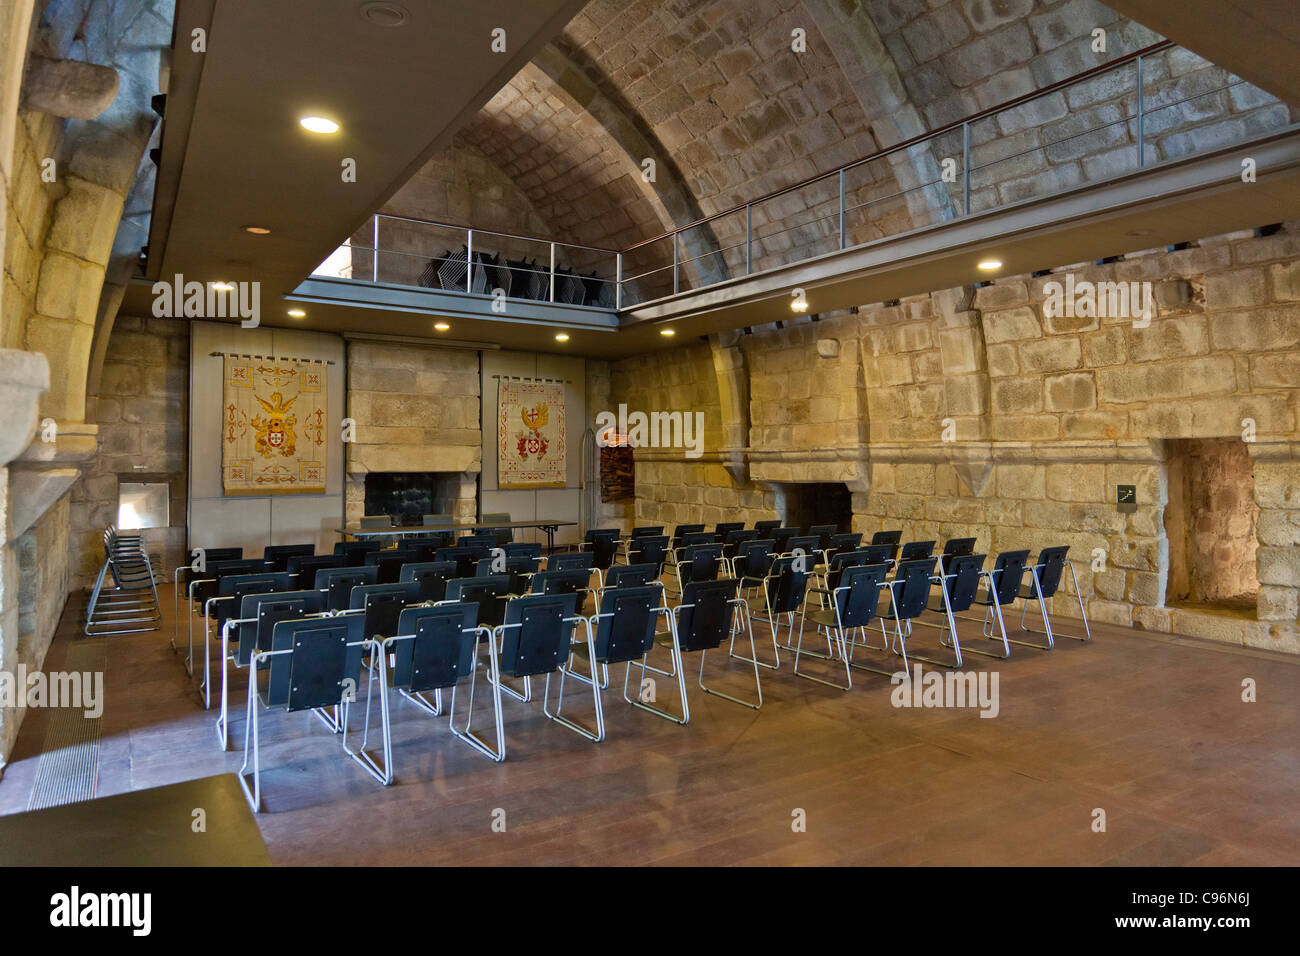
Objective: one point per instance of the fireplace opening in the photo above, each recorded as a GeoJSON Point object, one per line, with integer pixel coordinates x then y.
{"type": "Point", "coordinates": [1210, 522]}
{"type": "Point", "coordinates": [808, 504]}
{"type": "Point", "coordinates": [407, 497]}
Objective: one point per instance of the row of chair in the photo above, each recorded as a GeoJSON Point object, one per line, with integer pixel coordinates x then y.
{"type": "Point", "coordinates": [496, 595]}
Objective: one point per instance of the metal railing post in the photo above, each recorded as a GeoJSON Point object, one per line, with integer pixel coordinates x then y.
{"type": "Point", "coordinates": [965, 162]}
{"type": "Point", "coordinates": [675, 264]}
{"type": "Point", "coordinates": [749, 239]}
{"type": "Point", "coordinates": [1141, 118]}
{"type": "Point", "coordinates": [618, 281]}
{"type": "Point", "coordinates": [375, 255]}
{"type": "Point", "coordinates": [841, 207]}
{"type": "Point", "coordinates": [469, 261]}
{"type": "Point", "coordinates": [552, 295]}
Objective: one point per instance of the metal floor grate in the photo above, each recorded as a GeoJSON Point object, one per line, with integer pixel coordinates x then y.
{"type": "Point", "coordinates": [68, 770]}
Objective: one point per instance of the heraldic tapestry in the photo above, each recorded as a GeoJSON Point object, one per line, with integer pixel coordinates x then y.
{"type": "Point", "coordinates": [530, 434]}
{"type": "Point", "coordinates": [273, 434]}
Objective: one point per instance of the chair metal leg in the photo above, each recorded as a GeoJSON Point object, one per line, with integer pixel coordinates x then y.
{"type": "Point", "coordinates": [952, 630]}
{"type": "Point", "coordinates": [599, 733]}
{"type": "Point", "coordinates": [1042, 609]}
{"type": "Point", "coordinates": [495, 684]}
{"type": "Point", "coordinates": [254, 795]}
{"type": "Point", "coordinates": [844, 654]}
{"type": "Point", "coordinates": [376, 670]}
{"type": "Point", "coordinates": [679, 667]}
{"type": "Point", "coordinates": [753, 660]}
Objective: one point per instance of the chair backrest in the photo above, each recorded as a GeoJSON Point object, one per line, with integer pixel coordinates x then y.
{"type": "Point", "coordinates": [237, 585]}
{"type": "Point", "coordinates": [222, 554]}
{"type": "Point", "coordinates": [268, 609]}
{"type": "Point", "coordinates": [843, 560]}
{"type": "Point", "coordinates": [517, 569]}
{"type": "Point", "coordinates": [915, 550]}
{"type": "Point", "coordinates": [913, 594]}
{"type": "Point", "coordinates": [337, 583]}
{"type": "Point", "coordinates": [732, 540]}
{"type": "Point", "coordinates": [823, 533]}
{"type": "Point", "coordinates": [604, 544]}
{"type": "Point", "coordinates": [355, 551]}
{"type": "Point", "coordinates": [753, 558]}
{"type": "Point", "coordinates": [706, 612]}
{"type": "Point", "coordinates": [962, 580]}
{"type": "Point", "coordinates": [323, 666]}
{"type": "Point", "coordinates": [382, 605]}
{"type": "Point", "coordinates": [700, 562]}
{"type": "Point", "coordinates": [571, 561]}
{"type": "Point", "coordinates": [857, 595]}
{"type": "Point", "coordinates": [625, 629]}
{"type": "Point", "coordinates": [417, 552]}
{"type": "Point", "coordinates": [764, 528]}
{"type": "Point", "coordinates": [440, 649]}
{"type": "Point", "coordinates": [465, 559]}
{"type": "Point", "coordinates": [307, 566]}
{"type": "Point", "coordinates": [806, 545]}
{"type": "Point", "coordinates": [786, 585]}
{"type": "Point", "coordinates": [696, 538]}
{"type": "Point", "coordinates": [887, 537]}
{"type": "Point", "coordinates": [431, 577]}
{"type": "Point", "coordinates": [878, 553]}
{"type": "Point", "coordinates": [647, 531]}
{"type": "Point", "coordinates": [1051, 563]}
{"type": "Point", "coordinates": [537, 633]}
{"type": "Point", "coordinates": [560, 581]}
{"type": "Point", "coordinates": [724, 528]}
{"type": "Point", "coordinates": [846, 541]}
{"type": "Point", "coordinates": [480, 544]}
{"type": "Point", "coordinates": [1008, 572]}
{"type": "Point", "coordinates": [488, 592]}
{"type": "Point", "coordinates": [277, 556]}
{"type": "Point", "coordinates": [524, 549]}
{"type": "Point", "coordinates": [781, 537]}
{"type": "Point", "coordinates": [955, 547]}
{"type": "Point", "coordinates": [649, 549]}
{"type": "Point", "coordinates": [376, 522]}
{"type": "Point", "coordinates": [210, 579]}
{"type": "Point", "coordinates": [681, 531]}
{"type": "Point", "coordinates": [387, 565]}
{"type": "Point", "coordinates": [631, 575]}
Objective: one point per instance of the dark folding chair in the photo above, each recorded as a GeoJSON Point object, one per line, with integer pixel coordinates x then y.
{"type": "Point", "coordinates": [523, 549]}
{"type": "Point", "coordinates": [381, 605]}
{"type": "Point", "coordinates": [571, 561]}
{"type": "Point", "coordinates": [305, 567]}
{"type": "Point", "coordinates": [480, 544]}
{"type": "Point", "coordinates": [536, 639]}
{"type": "Point", "coordinates": [623, 631]}
{"type": "Point", "coordinates": [781, 538]}
{"type": "Point", "coordinates": [259, 612]}
{"type": "Point", "coordinates": [631, 575]}
{"type": "Point", "coordinates": [647, 531]}
{"type": "Point", "coordinates": [847, 541]}
{"type": "Point", "coordinates": [1047, 573]}
{"type": "Point", "coordinates": [194, 573]}
{"type": "Point", "coordinates": [805, 547]}
{"type": "Point", "coordinates": [680, 532]}
{"type": "Point", "coordinates": [887, 537]}
{"type": "Point", "coordinates": [701, 562]}
{"type": "Point", "coordinates": [784, 589]}
{"type": "Point", "coordinates": [724, 528]}
{"type": "Point", "coordinates": [314, 664]}
{"type": "Point", "coordinates": [337, 583]}
{"type": "Point", "coordinates": [226, 605]}
{"type": "Point", "coordinates": [706, 616]}
{"type": "Point", "coordinates": [489, 592]}
{"type": "Point", "coordinates": [916, 550]}
{"type": "Point", "coordinates": [466, 559]}
{"type": "Point", "coordinates": [518, 570]}
{"type": "Point", "coordinates": [277, 556]}
{"type": "Point", "coordinates": [1001, 588]}
{"type": "Point", "coordinates": [765, 528]}
{"type": "Point", "coordinates": [955, 547]}
{"type": "Point", "coordinates": [734, 539]}
{"type": "Point", "coordinates": [648, 549]}
{"type": "Point", "coordinates": [958, 585]}
{"type": "Point", "coordinates": [752, 561]}
{"type": "Point", "coordinates": [823, 533]}
{"type": "Point", "coordinates": [387, 564]}
{"type": "Point", "coordinates": [435, 649]}
{"type": "Point", "coordinates": [854, 603]}
{"type": "Point", "coordinates": [603, 544]}
{"type": "Point", "coordinates": [909, 595]}
{"type": "Point", "coordinates": [431, 577]}
{"type": "Point", "coordinates": [354, 552]}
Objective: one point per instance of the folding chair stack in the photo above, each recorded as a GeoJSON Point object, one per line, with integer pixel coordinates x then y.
{"type": "Point", "coordinates": [130, 605]}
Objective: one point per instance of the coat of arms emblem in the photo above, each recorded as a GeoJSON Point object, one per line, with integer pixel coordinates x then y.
{"type": "Point", "coordinates": [531, 442]}
{"type": "Point", "coordinates": [275, 433]}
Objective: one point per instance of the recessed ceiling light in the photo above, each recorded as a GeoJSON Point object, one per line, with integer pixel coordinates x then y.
{"type": "Point", "coordinates": [257, 230]}
{"type": "Point", "coordinates": [297, 314]}
{"type": "Point", "coordinates": [384, 14]}
{"type": "Point", "coordinates": [562, 336]}
{"type": "Point", "coordinates": [988, 265]}
{"type": "Point", "coordinates": [318, 124]}
{"type": "Point", "coordinates": [441, 326]}
{"type": "Point", "coordinates": [223, 286]}
{"type": "Point", "coordinates": [668, 332]}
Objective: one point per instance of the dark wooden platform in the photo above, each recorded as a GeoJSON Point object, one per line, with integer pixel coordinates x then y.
{"type": "Point", "coordinates": [153, 827]}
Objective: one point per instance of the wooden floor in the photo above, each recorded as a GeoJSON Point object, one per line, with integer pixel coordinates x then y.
{"type": "Point", "coordinates": [1151, 730]}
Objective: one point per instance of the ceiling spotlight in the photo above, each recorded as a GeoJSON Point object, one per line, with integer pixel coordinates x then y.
{"type": "Point", "coordinates": [988, 265]}
{"type": "Point", "coordinates": [257, 230]}
{"type": "Point", "coordinates": [562, 336]}
{"type": "Point", "coordinates": [667, 333]}
{"type": "Point", "coordinates": [297, 314]}
{"type": "Point", "coordinates": [384, 14]}
{"type": "Point", "coordinates": [223, 286]}
{"type": "Point", "coordinates": [318, 124]}
{"type": "Point", "coordinates": [441, 326]}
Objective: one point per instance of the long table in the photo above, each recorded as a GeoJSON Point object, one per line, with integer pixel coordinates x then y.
{"type": "Point", "coordinates": [546, 525]}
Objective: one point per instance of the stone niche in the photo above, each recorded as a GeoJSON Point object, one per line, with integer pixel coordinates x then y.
{"type": "Point", "coordinates": [1211, 522]}
{"type": "Point", "coordinates": [811, 503]}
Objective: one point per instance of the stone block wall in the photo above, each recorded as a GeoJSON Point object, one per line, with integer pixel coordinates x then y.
{"type": "Point", "coordinates": [980, 414]}
{"type": "Point", "coordinates": [143, 417]}
{"type": "Point", "coordinates": [416, 409]}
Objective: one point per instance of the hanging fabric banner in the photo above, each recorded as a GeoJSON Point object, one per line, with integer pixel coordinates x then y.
{"type": "Point", "coordinates": [273, 434]}
{"type": "Point", "coordinates": [530, 434]}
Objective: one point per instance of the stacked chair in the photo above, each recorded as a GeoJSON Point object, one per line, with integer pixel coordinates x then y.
{"type": "Point", "coordinates": [130, 604]}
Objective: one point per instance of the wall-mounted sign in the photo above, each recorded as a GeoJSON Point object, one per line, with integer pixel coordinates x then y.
{"type": "Point", "coordinates": [1126, 498]}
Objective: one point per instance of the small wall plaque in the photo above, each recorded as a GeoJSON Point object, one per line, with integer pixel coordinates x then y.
{"type": "Point", "coordinates": [1126, 498]}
